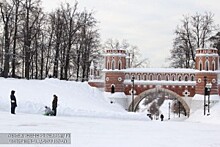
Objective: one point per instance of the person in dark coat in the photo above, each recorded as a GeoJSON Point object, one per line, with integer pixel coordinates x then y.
{"type": "Point", "coordinates": [161, 117]}
{"type": "Point", "coordinates": [13, 102]}
{"type": "Point", "coordinates": [54, 104]}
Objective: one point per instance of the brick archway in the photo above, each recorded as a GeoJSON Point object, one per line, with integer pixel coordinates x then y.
{"type": "Point", "coordinates": [141, 96]}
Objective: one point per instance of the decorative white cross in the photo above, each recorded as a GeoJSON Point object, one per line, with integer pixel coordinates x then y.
{"type": "Point", "coordinates": [186, 93]}
{"type": "Point", "coordinates": [130, 91]}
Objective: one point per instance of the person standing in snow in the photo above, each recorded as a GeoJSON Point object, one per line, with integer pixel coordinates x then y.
{"type": "Point", "coordinates": [54, 104]}
{"type": "Point", "coordinates": [161, 117]}
{"type": "Point", "coordinates": [13, 102]}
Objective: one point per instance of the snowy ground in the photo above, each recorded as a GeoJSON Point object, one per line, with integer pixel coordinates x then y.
{"type": "Point", "coordinates": [94, 122]}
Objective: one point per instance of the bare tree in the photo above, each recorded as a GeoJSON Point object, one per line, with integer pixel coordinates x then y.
{"type": "Point", "coordinates": [17, 4]}
{"type": "Point", "coordinates": [215, 41]}
{"type": "Point", "coordinates": [89, 42]}
{"type": "Point", "coordinates": [61, 43]}
{"type": "Point", "coordinates": [31, 15]}
{"type": "Point", "coordinates": [72, 25]}
{"type": "Point", "coordinates": [7, 16]}
{"type": "Point", "coordinates": [75, 38]}
{"type": "Point", "coordinates": [38, 46]}
{"type": "Point", "coordinates": [180, 54]}
{"type": "Point", "coordinates": [193, 33]}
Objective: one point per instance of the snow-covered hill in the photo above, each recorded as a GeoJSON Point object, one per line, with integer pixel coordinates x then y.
{"type": "Point", "coordinates": [74, 98]}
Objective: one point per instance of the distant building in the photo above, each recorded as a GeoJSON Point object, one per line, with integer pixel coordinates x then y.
{"type": "Point", "coordinates": [184, 84]}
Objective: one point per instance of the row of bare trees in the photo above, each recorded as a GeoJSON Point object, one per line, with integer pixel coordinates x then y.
{"type": "Point", "coordinates": [35, 44]}
{"type": "Point", "coordinates": [193, 32]}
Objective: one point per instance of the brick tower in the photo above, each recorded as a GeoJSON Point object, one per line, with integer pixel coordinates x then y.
{"type": "Point", "coordinates": [115, 62]}
{"type": "Point", "coordinates": [207, 63]}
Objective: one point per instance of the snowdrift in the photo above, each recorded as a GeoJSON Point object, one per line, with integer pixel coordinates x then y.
{"type": "Point", "coordinates": [213, 118]}
{"type": "Point", "coordinates": [73, 97]}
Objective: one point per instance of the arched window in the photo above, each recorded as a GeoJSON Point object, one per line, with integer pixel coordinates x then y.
{"type": "Point", "coordinates": [173, 77]}
{"type": "Point", "coordinates": [159, 77]}
{"type": "Point", "coordinates": [126, 76]}
{"type": "Point", "coordinates": [207, 65]}
{"type": "Point", "coordinates": [186, 78]}
{"type": "Point", "coordinates": [108, 64]}
{"type": "Point", "coordinates": [180, 78]}
{"type": "Point", "coordinates": [139, 77]}
{"type": "Point", "coordinates": [113, 89]}
{"type": "Point", "coordinates": [192, 78]}
{"type": "Point", "coordinates": [151, 77]}
{"type": "Point", "coordinates": [167, 77]}
{"type": "Point", "coordinates": [119, 65]}
{"type": "Point", "coordinates": [113, 64]}
{"type": "Point", "coordinates": [144, 77]}
{"type": "Point", "coordinates": [200, 65]}
{"type": "Point", "coordinates": [97, 73]}
{"type": "Point", "coordinates": [213, 65]}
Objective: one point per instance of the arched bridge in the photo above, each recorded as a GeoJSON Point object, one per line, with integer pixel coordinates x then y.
{"type": "Point", "coordinates": [134, 104]}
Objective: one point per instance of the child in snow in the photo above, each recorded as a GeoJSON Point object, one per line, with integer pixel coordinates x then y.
{"type": "Point", "coordinates": [48, 111]}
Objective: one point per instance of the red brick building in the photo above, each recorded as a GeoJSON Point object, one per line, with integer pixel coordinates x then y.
{"type": "Point", "coordinates": [185, 84]}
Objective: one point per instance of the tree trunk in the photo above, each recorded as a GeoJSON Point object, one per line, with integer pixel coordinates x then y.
{"type": "Point", "coordinates": [15, 38]}
{"type": "Point", "coordinates": [7, 53]}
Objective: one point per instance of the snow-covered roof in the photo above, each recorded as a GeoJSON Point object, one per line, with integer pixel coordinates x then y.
{"type": "Point", "coordinates": [162, 82]}
{"type": "Point", "coordinates": [207, 55]}
{"type": "Point", "coordinates": [115, 54]}
{"type": "Point", "coordinates": [207, 71]}
{"type": "Point", "coordinates": [97, 80]}
{"type": "Point", "coordinates": [207, 49]}
{"type": "Point", "coordinates": [160, 70]}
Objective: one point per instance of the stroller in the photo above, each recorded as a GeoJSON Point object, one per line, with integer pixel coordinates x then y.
{"type": "Point", "coordinates": [48, 111]}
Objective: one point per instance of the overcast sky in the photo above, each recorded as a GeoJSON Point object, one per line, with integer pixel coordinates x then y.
{"type": "Point", "coordinates": [148, 24]}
